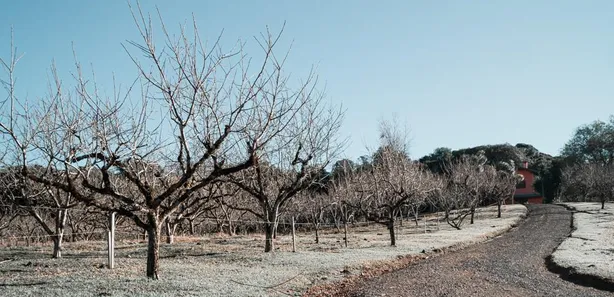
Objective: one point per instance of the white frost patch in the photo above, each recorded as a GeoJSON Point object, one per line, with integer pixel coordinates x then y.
{"type": "Point", "coordinates": [590, 249]}
{"type": "Point", "coordinates": [238, 267]}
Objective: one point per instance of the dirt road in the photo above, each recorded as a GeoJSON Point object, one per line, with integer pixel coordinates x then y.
{"type": "Point", "coordinates": [510, 265]}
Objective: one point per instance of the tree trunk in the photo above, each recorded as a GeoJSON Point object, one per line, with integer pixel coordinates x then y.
{"type": "Point", "coordinates": [499, 208]}
{"type": "Point", "coordinates": [472, 214]}
{"type": "Point", "coordinates": [317, 235]}
{"type": "Point", "coordinates": [275, 230]}
{"type": "Point", "coordinates": [230, 228]}
{"type": "Point", "coordinates": [57, 246]}
{"type": "Point", "coordinates": [73, 229]}
{"type": "Point", "coordinates": [270, 226]}
{"type": "Point", "coordinates": [602, 204]}
{"type": "Point", "coordinates": [393, 241]}
{"type": "Point", "coordinates": [192, 227]}
{"type": "Point", "coordinates": [153, 247]}
{"type": "Point", "coordinates": [228, 221]}
{"type": "Point", "coordinates": [60, 223]}
{"type": "Point", "coordinates": [170, 232]}
{"type": "Point", "coordinates": [345, 232]}
{"type": "Point", "coordinates": [269, 230]}
{"type": "Point", "coordinates": [344, 213]}
{"type": "Point", "coordinates": [416, 216]}
{"type": "Point", "coordinates": [336, 221]}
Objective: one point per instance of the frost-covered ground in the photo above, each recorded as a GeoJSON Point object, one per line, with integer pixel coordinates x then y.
{"type": "Point", "coordinates": [590, 248]}
{"type": "Point", "coordinates": [231, 266]}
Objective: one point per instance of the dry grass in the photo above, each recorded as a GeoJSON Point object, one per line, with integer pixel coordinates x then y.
{"type": "Point", "coordinates": [219, 265]}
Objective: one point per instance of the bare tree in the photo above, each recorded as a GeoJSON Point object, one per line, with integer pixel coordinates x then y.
{"type": "Point", "coordinates": [452, 200]}
{"type": "Point", "coordinates": [299, 145]}
{"type": "Point", "coordinates": [499, 183]}
{"type": "Point", "coordinates": [59, 203]}
{"type": "Point", "coordinates": [231, 217]}
{"type": "Point", "coordinates": [85, 222]}
{"type": "Point", "coordinates": [9, 209]}
{"type": "Point", "coordinates": [316, 205]}
{"type": "Point", "coordinates": [463, 187]}
{"type": "Point", "coordinates": [204, 200]}
{"type": "Point", "coordinates": [588, 182]}
{"type": "Point", "coordinates": [48, 206]}
{"type": "Point", "coordinates": [468, 173]}
{"type": "Point", "coordinates": [395, 181]}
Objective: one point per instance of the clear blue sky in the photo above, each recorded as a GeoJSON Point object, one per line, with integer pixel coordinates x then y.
{"type": "Point", "coordinates": [458, 73]}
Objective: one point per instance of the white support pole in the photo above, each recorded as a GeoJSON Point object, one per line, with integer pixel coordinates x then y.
{"type": "Point", "coordinates": [293, 237]}
{"type": "Point", "coordinates": [111, 240]}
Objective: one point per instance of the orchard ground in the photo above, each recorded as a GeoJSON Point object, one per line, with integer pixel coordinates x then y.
{"type": "Point", "coordinates": [235, 266]}
{"type": "Point", "coordinates": [588, 253]}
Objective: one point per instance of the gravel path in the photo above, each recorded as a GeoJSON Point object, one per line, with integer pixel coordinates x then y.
{"type": "Point", "coordinates": [510, 265]}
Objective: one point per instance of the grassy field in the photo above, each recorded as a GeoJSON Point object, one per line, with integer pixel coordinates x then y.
{"type": "Point", "coordinates": [219, 265]}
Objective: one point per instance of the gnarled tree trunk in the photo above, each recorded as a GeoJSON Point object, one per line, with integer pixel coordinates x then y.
{"type": "Point", "coordinates": [393, 240]}
{"type": "Point", "coordinates": [231, 231]}
{"type": "Point", "coordinates": [192, 229]}
{"type": "Point", "coordinates": [60, 224]}
{"type": "Point", "coordinates": [170, 231]}
{"type": "Point", "coordinates": [153, 246]}
{"type": "Point", "coordinates": [269, 229]}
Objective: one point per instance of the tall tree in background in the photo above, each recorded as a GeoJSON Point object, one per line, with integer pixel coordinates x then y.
{"type": "Point", "coordinates": [592, 143]}
{"type": "Point", "coordinates": [548, 183]}
{"type": "Point", "coordinates": [438, 160]}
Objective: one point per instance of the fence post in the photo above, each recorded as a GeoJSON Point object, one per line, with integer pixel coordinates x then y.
{"type": "Point", "coordinates": [345, 232]}
{"type": "Point", "coordinates": [111, 240]}
{"type": "Point", "coordinates": [293, 236]}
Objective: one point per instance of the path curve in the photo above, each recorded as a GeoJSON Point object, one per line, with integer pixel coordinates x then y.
{"type": "Point", "coordinates": [509, 265]}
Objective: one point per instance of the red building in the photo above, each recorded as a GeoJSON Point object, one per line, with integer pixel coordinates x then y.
{"type": "Point", "coordinates": [525, 193]}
